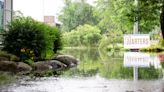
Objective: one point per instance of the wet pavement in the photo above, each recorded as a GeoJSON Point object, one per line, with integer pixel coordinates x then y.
{"type": "Point", "coordinates": [88, 84]}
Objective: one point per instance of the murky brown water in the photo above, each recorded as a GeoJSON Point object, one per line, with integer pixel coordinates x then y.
{"type": "Point", "coordinates": [99, 72]}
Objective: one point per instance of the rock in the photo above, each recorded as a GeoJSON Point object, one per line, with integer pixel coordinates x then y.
{"type": "Point", "coordinates": [8, 66]}
{"type": "Point", "coordinates": [23, 68]}
{"type": "Point", "coordinates": [56, 65]}
{"type": "Point", "coordinates": [70, 61]}
{"type": "Point", "coordinates": [4, 59]}
{"type": "Point", "coordinates": [41, 66]}
{"type": "Point", "coordinates": [49, 65]}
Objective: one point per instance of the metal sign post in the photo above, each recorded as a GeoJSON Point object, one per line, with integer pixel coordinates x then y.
{"type": "Point", "coordinates": [135, 69]}
{"type": "Point", "coordinates": [136, 18]}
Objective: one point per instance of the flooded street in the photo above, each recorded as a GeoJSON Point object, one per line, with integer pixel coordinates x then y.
{"type": "Point", "coordinates": [88, 84]}
{"type": "Point", "coordinates": [101, 72]}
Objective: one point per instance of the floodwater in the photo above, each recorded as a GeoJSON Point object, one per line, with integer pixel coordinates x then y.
{"type": "Point", "coordinates": [101, 72]}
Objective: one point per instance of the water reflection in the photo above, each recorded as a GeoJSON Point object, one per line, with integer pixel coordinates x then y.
{"type": "Point", "coordinates": [116, 65]}
{"type": "Point", "coordinates": [140, 60]}
{"type": "Point", "coordinates": [101, 72]}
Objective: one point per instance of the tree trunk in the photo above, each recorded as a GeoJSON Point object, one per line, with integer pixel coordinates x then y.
{"type": "Point", "coordinates": [162, 19]}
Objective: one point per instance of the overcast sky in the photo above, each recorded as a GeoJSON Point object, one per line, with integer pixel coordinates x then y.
{"type": "Point", "coordinates": [38, 8]}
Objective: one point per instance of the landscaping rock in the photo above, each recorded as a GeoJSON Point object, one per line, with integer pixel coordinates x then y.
{"type": "Point", "coordinates": [4, 59]}
{"type": "Point", "coordinates": [56, 65]}
{"type": "Point", "coordinates": [70, 61]}
{"type": "Point", "coordinates": [23, 68]}
{"type": "Point", "coordinates": [48, 65]}
{"type": "Point", "coordinates": [41, 66]}
{"type": "Point", "coordinates": [8, 66]}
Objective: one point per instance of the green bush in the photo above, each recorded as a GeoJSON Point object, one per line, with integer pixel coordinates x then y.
{"type": "Point", "coordinates": [85, 35]}
{"type": "Point", "coordinates": [29, 39]}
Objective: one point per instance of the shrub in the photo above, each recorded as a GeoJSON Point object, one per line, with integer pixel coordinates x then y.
{"type": "Point", "coordinates": [85, 35]}
{"type": "Point", "coordinates": [29, 39]}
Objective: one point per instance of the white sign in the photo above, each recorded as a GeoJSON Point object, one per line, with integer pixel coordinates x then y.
{"type": "Point", "coordinates": [136, 41]}
{"type": "Point", "coordinates": [136, 59]}
{"type": "Point", "coordinates": [139, 59]}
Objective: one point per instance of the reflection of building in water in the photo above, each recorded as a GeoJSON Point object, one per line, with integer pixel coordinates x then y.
{"type": "Point", "coordinates": [138, 59]}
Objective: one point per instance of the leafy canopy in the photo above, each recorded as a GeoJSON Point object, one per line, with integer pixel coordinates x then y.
{"type": "Point", "coordinates": [76, 13]}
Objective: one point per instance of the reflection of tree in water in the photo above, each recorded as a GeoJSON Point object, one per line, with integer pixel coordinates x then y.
{"type": "Point", "coordinates": [111, 67]}
{"type": "Point", "coordinates": [89, 61]}
{"type": "Point", "coordinates": [162, 64]}
{"type": "Point", "coordinates": [91, 54]}
{"type": "Point", "coordinates": [149, 73]}
{"type": "Point", "coordinates": [116, 70]}
{"type": "Point", "coordinates": [115, 54]}
{"type": "Point", "coordinates": [80, 73]}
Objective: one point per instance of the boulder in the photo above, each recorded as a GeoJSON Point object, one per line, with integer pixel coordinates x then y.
{"type": "Point", "coordinates": [8, 66]}
{"type": "Point", "coordinates": [41, 66]}
{"type": "Point", "coordinates": [4, 58]}
{"type": "Point", "coordinates": [56, 65]}
{"type": "Point", "coordinates": [70, 61]}
{"type": "Point", "coordinates": [23, 68]}
{"type": "Point", "coordinates": [48, 65]}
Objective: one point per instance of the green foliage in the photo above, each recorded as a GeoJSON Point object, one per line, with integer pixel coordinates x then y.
{"type": "Point", "coordinates": [29, 61]}
{"type": "Point", "coordinates": [29, 39]}
{"type": "Point", "coordinates": [155, 34]}
{"type": "Point", "coordinates": [76, 13]}
{"type": "Point", "coordinates": [153, 48]}
{"type": "Point", "coordinates": [85, 35]}
{"type": "Point", "coordinates": [162, 64]}
{"type": "Point", "coordinates": [157, 47]}
{"type": "Point", "coordinates": [112, 14]}
{"type": "Point", "coordinates": [150, 73]}
{"type": "Point", "coordinates": [148, 14]}
{"type": "Point", "coordinates": [112, 41]}
{"type": "Point", "coordinates": [120, 14]}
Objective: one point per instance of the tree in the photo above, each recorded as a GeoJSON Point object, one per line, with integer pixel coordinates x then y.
{"type": "Point", "coordinates": [112, 15]}
{"type": "Point", "coordinates": [119, 14]}
{"type": "Point", "coordinates": [162, 19]}
{"type": "Point", "coordinates": [150, 12]}
{"type": "Point", "coordinates": [76, 13]}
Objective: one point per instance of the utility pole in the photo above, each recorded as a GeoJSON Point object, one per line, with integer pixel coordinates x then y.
{"type": "Point", "coordinates": [135, 18]}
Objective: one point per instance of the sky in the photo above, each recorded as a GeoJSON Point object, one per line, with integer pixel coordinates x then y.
{"type": "Point", "coordinates": [39, 8]}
